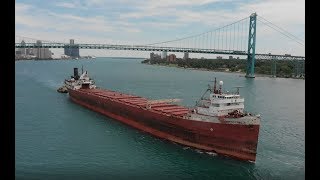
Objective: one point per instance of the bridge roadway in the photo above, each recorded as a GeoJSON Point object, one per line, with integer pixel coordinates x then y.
{"type": "Point", "coordinates": [157, 48]}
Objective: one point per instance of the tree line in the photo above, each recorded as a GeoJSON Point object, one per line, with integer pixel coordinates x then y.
{"type": "Point", "coordinates": [267, 67]}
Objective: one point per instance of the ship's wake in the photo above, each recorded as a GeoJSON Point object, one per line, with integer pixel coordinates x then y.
{"type": "Point", "coordinates": [41, 79]}
{"type": "Point", "coordinates": [200, 151]}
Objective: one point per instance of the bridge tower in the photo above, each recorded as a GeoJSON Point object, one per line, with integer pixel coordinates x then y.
{"type": "Point", "coordinates": [251, 46]}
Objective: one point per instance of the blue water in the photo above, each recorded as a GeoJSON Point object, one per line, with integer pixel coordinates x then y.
{"type": "Point", "coordinates": [57, 139]}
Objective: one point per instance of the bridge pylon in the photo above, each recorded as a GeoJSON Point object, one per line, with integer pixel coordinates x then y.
{"type": "Point", "coordinates": [251, 46]}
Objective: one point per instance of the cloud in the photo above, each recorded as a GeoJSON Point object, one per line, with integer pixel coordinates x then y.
{"type": "Point", "coordinates": [178, 4]}
{"type": "Point", "coordinates": [66, 5]}
{"type": "Point", "coordinates": [29, 16]}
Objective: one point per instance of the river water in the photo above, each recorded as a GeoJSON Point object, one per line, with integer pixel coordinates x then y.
{"type": "Point", "coordinates": [57, 139]}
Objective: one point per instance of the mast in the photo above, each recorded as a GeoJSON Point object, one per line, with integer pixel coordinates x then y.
{"type": "Point", "coordinates": [215, 86]}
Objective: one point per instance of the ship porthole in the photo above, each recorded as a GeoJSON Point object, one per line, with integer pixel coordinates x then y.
{"type": "Point", "coordinates": [211, 129]}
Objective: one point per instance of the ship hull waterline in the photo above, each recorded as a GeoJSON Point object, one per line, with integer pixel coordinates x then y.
{"type": "Point", "coordinates": [134, 122]}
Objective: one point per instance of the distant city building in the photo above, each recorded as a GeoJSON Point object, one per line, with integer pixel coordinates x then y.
{"type": "Point", "coordinates": [33, 53]}
{"type": "Point", "coordinates": [72, 51]}
{"type": "Point", "coordinates": [18, 52]}
{"type": "Point", "coordinates": [47, 53]}
{"type": "Point", "coordinates": [219, 57]}
{"type": "Point", "coordinates": [186, 55]}
{"type": "Point", "coordinates": [23, 50]}
{"type": "Point", "coordinates": [41, 53]}
{"type": "Point", "coordinates": [164, 55]}
{"type": "Point", "coordinates": [171, 58]}
{"type": "Point", "coordinates": [28, 51]}
{"type": "Point", "coordinates": [38, 51]}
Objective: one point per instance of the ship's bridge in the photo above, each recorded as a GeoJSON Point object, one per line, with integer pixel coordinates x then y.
{"type": "Point", "coordinates": [225, 98]}
{"type": "Point", "coordinates": [220, 103]}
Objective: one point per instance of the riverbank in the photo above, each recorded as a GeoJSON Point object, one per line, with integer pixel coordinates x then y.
{"type": "Point", "coordinates": [283, 69]}
{"type": "Point", "coordinates": [240, 73]}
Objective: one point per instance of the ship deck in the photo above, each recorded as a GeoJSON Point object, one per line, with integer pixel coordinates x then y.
{"type": "Point", "coordinates": [132, 100]}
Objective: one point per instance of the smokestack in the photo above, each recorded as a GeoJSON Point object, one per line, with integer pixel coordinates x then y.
{"type": "Point", "coordinates": [75, 73]}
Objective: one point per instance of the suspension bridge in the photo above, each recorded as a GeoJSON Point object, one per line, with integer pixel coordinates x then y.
{"type": "Point", "coordinates": [238, 38]}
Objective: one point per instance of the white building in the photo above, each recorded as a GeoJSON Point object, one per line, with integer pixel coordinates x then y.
{"type": "Point", "coordinates": [186, 55]}
{"type": "Point", "coordinates": [164, 55]}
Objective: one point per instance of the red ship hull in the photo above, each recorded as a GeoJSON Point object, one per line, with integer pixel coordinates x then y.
{"type": "Point", "coordinates": [235, 140]}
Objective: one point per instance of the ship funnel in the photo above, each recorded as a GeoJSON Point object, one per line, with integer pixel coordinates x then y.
{"type": "Point", "coordinates": [75, 73]}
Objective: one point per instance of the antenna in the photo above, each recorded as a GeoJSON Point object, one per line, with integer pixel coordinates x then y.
{"type": "Point", "coordinates": [215, 86]}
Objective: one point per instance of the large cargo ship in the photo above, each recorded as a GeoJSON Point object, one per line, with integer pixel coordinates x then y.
{"type": "Point", "coordinates": [217, 123]}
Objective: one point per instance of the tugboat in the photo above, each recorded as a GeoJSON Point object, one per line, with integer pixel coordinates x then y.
{"type": "Point", "coordinates": [62, 89]}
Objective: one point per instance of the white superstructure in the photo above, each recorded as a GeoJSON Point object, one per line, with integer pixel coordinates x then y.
{"type": "Point", "coordinates": [82, 82]}
{"type": "Point", "coordinates": [220, 103]}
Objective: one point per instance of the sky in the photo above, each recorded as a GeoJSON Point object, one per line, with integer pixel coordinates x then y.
{"type": "Point", "coordinates": [139, 22]}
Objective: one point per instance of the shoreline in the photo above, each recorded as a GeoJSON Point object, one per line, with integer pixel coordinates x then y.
{"type": "Point", "coordinates": [241, 74]}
